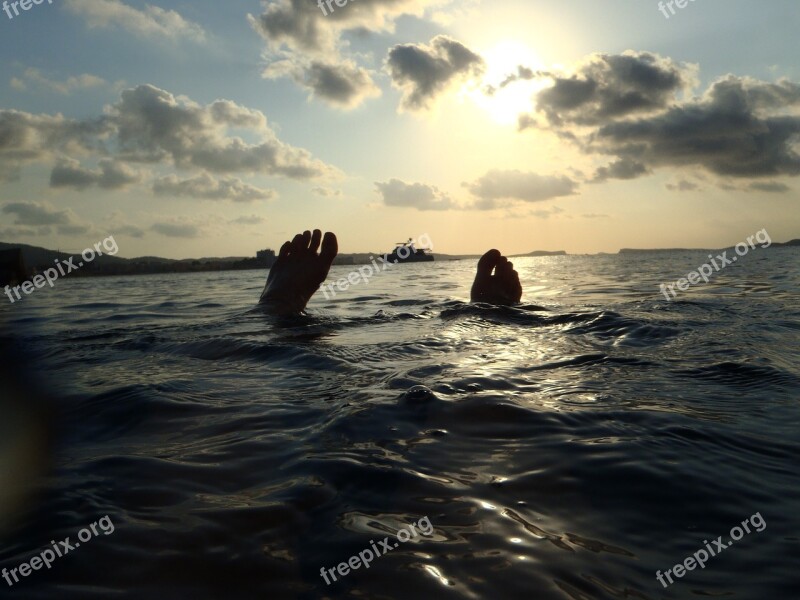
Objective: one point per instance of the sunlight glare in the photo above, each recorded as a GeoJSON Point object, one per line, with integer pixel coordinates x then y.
{"type": "Point", "coordinates": [502, 60]}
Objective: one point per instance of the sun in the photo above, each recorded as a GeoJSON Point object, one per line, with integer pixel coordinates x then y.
{"type": "Point", "coordinates": [502, 61]}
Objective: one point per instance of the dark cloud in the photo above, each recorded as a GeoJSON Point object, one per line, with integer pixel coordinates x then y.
{"type": "Point", "coordinates": [110, 175]}
{"type": "Point", "coordinates": [631, 107]}
{"type": "Point", "coordinates": [207, 187]}
{"type": "Point", "coordinates": [75, 229]}
{"type": "Point", "coordinates": [27, 138]}
{"type": "Point", "coordinates": [738, 129]}
{"type": "Point", "coordinates": [39, 218]}
{"type": "Point", "coordinates": [522, 74]}
{"type": "Point", "coordinates": [297, 24]}
{"type": "Point", "coordinates": [12, 233]}
{"type": "Point", "coordinates": [424, 71]}
{"type": "Point", "coordinates": [300, 25]}
{"type": "Point", "coordinates": [343, 84]}
{"type": "Point", "coordinates": [620, 169]}
{"type": "Point", "coordinates": [36, 213]}
{"type": "Point", "coordinates": [608, 87]}
{"type": "Point", "coordinates": [306, 45]}
{"type": "Point", "coordinates": [340, 84]}
{"type": "Point", "coordinates": [498, 186]}
{"type": "Point", "coordinates": [414, 195]}
{"type": "Point", "coordinates": [771, 187]}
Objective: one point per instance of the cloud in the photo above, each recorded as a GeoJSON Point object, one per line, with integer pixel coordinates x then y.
{"type": "Point", "coordinates": [343, 84]}
{"type": "Point", "coordinates": [424, 71]}
{"type": "Point", "coordinates": [26, 138]}
{"type": "Point", "coordinates": [206, 186]}
{"type": "Point", "coordinates": [522, 74]}
{"type": "Point", "coordinates": [34, 77]}
{"type": "Point", "coordinates": [682, 186]}
{"type": "Point", "coordinates": [300, 26]}
{"type": "Point", "coordinates": [155, 126]}
{"type": "Point", "coordinates": [612, 86]}
{"type": "Point", "coordinates": [413, 195]}
{"type": "Point", "coordinates": [13, 233]}
{"type": "Point", "coordinates": [150, 125]}
{"type": "Point", "coordinates": [75, 229]}
{"type": "Point", "coordinates": [498, 186]}
{"type": "Point", "coordinates": [739, 128]}
{"type": "Point", "coordinates": [248, 220]}
{"type": "Point", "coordinates": [620, 169]}
{"type": "Point", "coordinates": [771, 187]}
{"type": "Point", "coordinates": [176, 230]}
{"type": "Point", "coordinates": [38, 213]}
{"type": "Point", "coordinates": [306, 45]}
{"type": "Point", "coordinates": [110, 175]}
{"type": "Point", "coordinates": [297, 25]}
{"type": "Point", "coordinates": [152, 22]}
{"type": "Point", "coordinates": [634, 107]}
{"type": "Point", "coordinates": [327, 192]}
{"type": "Point", "coordinates": [39, 218]}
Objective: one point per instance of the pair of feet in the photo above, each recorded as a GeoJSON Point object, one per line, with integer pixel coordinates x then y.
{"type": "Point", "coordinates": [300, 269]}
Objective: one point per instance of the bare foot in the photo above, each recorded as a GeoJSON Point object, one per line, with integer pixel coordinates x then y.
{"type": "Point", "coordinates": [298, 272]}
{"type": "Point", "coordinates": [501, 288]}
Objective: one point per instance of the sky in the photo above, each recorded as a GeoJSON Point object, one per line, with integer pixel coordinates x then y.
{"type": "Point", "coordinates": [203, 128]}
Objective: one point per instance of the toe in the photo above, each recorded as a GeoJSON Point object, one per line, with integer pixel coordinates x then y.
{"type": "Point", "coordinates": [316, 238]}
{"type": "Point", "coordinates": [306, 240]}
{"type": "Point", "coordinates": [330, 248]}
{"type": "Point", "coordinates": [297, 244]}
{"type": "Point", "coordinates": [488, 262]}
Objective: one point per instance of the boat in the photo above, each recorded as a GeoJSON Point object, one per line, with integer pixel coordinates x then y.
{"type": "Point", "coordinates": [407, 252]}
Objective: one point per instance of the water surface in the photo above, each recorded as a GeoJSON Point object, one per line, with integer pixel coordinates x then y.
{"type": "Point", "coordinates": [567, 449]}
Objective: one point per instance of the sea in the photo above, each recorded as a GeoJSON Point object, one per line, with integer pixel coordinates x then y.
{"type": "Point", "coordinates": [578, 446]}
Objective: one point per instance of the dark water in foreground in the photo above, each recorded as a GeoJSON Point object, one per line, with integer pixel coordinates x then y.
{"type": "Point", "coordinates": [562, 453]}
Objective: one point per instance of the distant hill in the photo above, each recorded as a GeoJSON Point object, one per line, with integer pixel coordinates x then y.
{"type": "Point", "coordinates": [541, 253]}
{"type": "Point", "coordinates": [642, 250]}
{"type": "Point", "coordinates": [645, 250]}
{"type": "Point", "coordinates": [38, 259]}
